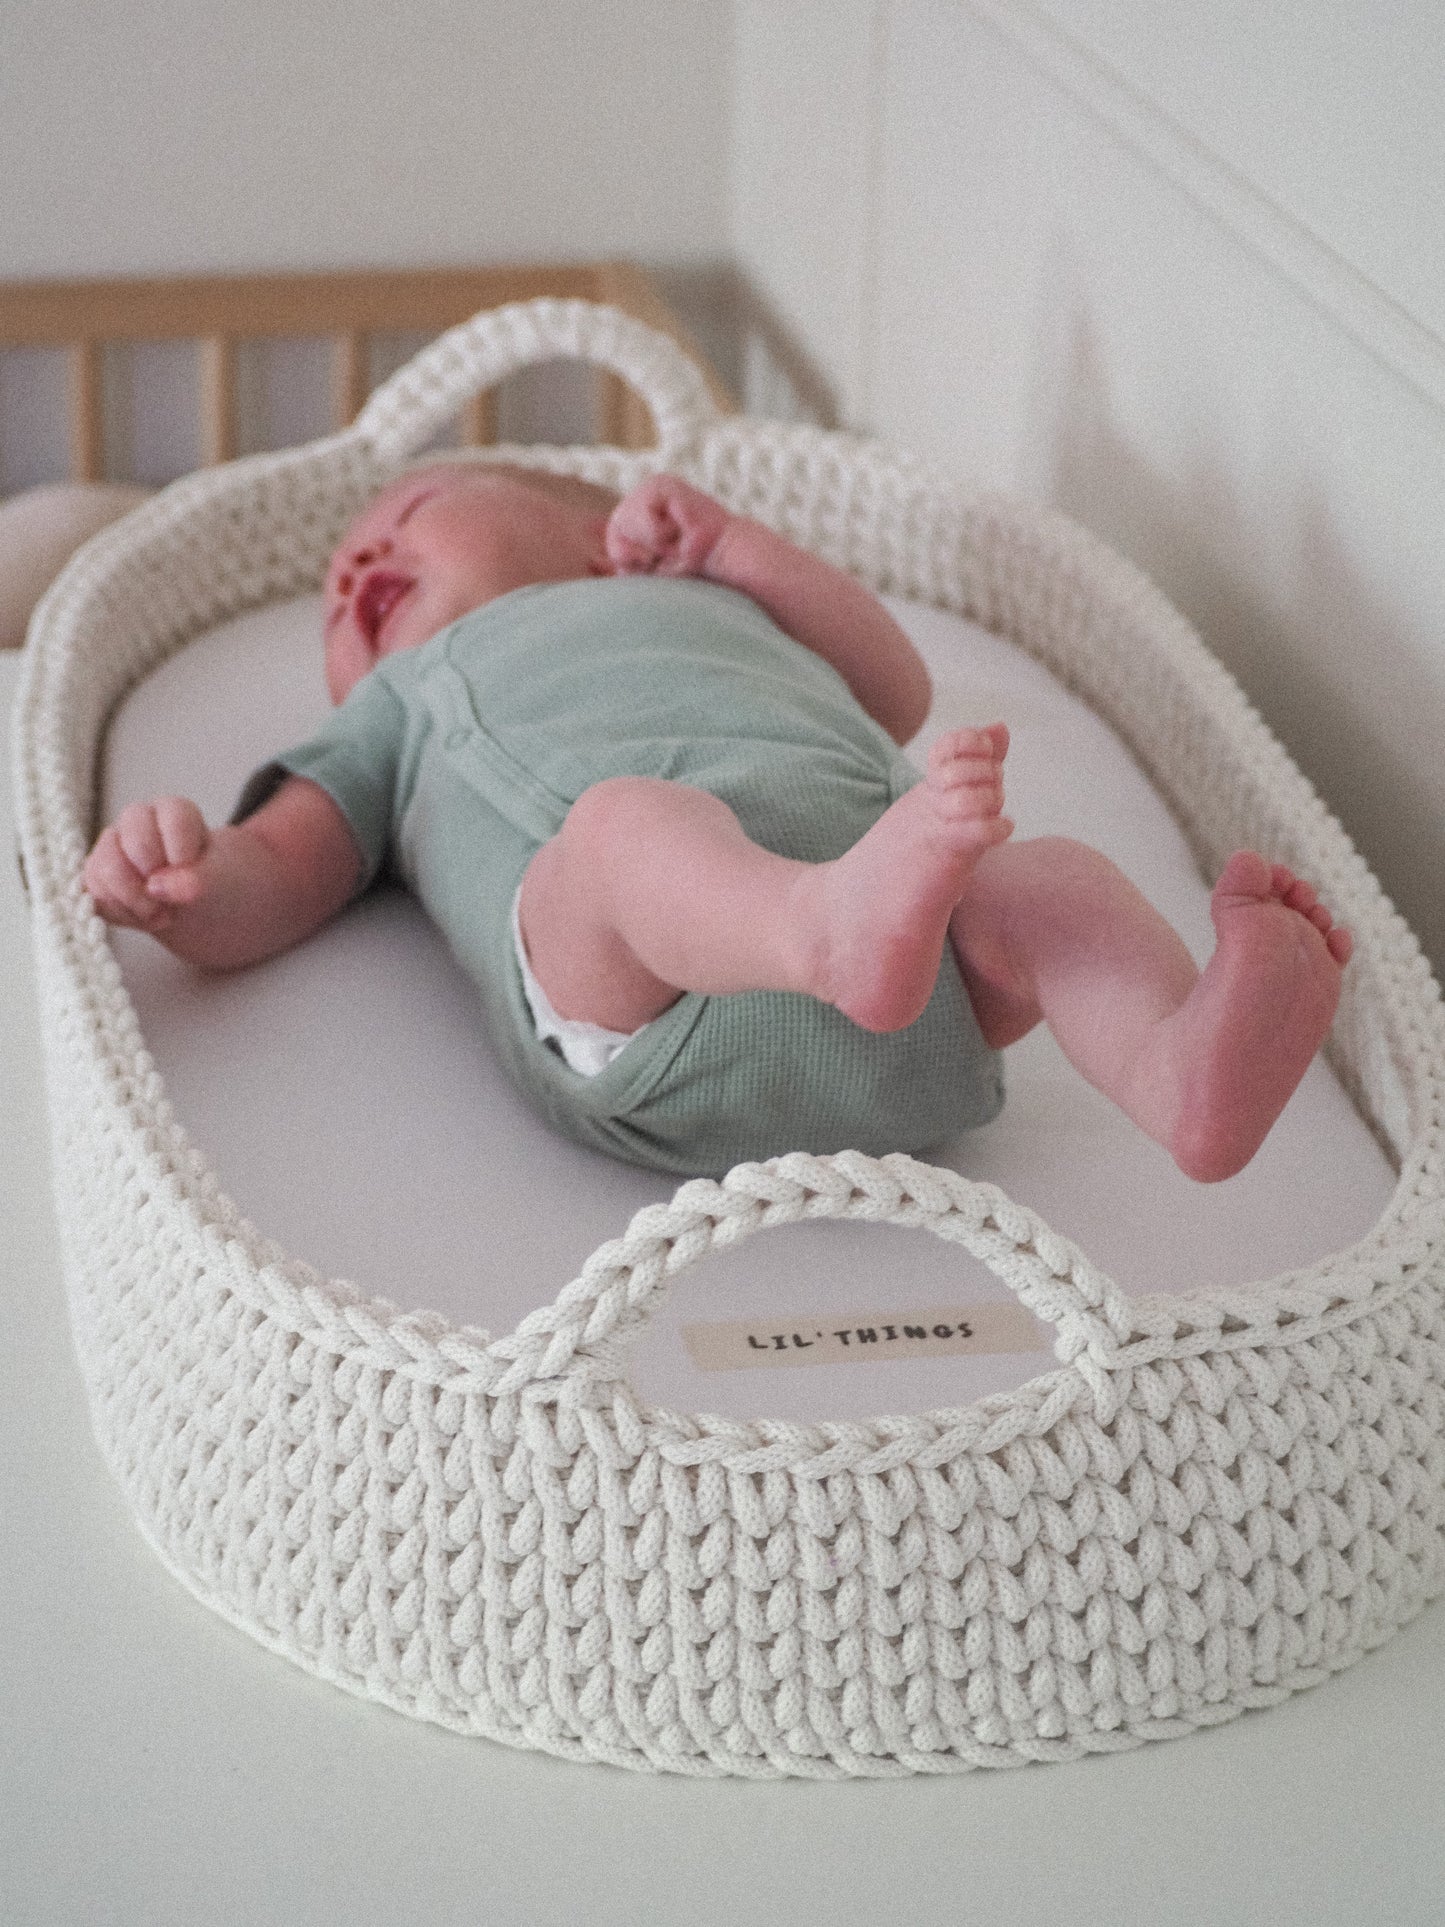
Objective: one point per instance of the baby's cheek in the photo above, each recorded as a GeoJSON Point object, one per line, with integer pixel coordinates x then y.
{"type": "Point", "coordinates": [347, 660]}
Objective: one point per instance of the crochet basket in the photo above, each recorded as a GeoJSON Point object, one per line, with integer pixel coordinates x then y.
{"type": "Point", "coordinates": [1212, 1501]}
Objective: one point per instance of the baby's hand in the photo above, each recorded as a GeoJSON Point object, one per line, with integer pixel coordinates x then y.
{"type": "Point", "coordinates": [147, 865]}
{"type": "Point", "coordinates": [664, 526]}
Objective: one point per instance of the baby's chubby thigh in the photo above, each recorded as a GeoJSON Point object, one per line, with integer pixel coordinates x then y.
{"type": "Point", "coordinates": [654, 888]}
{"type": "Point", "coordinates": [659, 885]}
{"type": "Point", "coordinates": [586, 889]}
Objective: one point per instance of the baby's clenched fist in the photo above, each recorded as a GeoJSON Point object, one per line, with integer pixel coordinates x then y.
{"type": "Point", "coordinates": [148, 863]}
{"type": "Point", "coordinates": [664, 526]}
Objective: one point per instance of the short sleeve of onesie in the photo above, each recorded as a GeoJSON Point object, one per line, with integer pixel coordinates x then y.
{"type": "Point", "coordinates": [355, 757]}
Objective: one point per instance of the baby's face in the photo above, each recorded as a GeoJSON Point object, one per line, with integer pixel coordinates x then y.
{"type": "Point", "coordinates": [436, 544]}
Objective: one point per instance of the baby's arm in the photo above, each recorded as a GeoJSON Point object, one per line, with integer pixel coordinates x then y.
{"type": "Point", "coordinates": [667, 527]}
{"type": "Point", "coordinates": [226, 897]}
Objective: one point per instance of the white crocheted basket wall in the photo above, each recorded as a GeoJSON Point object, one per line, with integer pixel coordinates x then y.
{"type": "Point", "coordinates": [1212, 1501]}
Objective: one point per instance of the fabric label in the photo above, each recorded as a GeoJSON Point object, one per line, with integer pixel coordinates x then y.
{"type": "Point", "coordinates": [864, 1337]}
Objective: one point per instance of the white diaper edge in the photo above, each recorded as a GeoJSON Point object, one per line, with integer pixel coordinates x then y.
{"type": "Point", "coordinates": [586, 1048]}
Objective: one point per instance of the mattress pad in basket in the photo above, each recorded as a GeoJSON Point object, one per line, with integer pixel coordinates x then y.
{"type": "Point", "coordinates": [1207, 1499]}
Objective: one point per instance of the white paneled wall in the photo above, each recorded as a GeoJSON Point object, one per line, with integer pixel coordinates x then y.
{"type": "Point", "coordinates": [1172, 269]}
{"type": "Point", "coordinates": [1330, 108]}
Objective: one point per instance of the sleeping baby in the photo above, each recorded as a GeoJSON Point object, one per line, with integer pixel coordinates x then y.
{"type": "Point", "coordinates": [641, 760]}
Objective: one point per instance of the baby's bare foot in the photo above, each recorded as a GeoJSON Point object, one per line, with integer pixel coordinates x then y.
{"type": "Point", "coordinates": [1261, 1009]}
{"type": "Point", "coordinates": [880, 914]}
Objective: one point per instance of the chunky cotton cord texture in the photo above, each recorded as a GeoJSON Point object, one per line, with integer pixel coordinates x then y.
{"type": "Point", "coordinates": [1213, 1501]}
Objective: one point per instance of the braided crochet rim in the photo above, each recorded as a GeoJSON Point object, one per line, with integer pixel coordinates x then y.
{"type": "Point", "coordinates": [1213, 1501]}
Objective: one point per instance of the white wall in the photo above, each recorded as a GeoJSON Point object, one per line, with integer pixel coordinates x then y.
{"type": "Point", "coordinates": [172, 136]}
{"type": "Point", "coordinates": [803, 162]}
{"type": "Point", "coordinates": [1176, 270]}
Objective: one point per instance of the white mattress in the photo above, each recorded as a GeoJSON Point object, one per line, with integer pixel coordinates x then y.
{"type": "Point", "coordinates": [349, 1099]}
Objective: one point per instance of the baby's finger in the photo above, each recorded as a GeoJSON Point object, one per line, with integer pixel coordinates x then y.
{"type": "Point", "coordinates": [177, 884]}
{"type": "Point", "coordinates": [662, 527]}
{"type": "Point", "coordinates": [183, 832]}
{"type": "Point", "coordinates": [117, 888]}
{"type": "Point", "coordinates": [139, 837]}
{"type": "Point", "coordinates": [630, 545]}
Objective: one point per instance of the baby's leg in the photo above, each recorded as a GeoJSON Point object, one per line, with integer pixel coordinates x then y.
{"type": "Point", "coordinates": [652, 888]}
{"type": "Point", "coordinates": [1204, 1062]}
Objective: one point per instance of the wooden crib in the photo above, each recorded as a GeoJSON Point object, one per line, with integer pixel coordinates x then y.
{"type": "Point", "coordinates": [350, 310]}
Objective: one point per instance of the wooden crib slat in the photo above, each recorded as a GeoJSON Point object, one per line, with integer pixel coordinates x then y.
{"type": "Point", "coordinates": [218, 399]}
{"type": "Point", "coordinates": [610, 410]}
{"type": "Point", "coordinates": [87, 411]}
{"type": "Point", "coordinates": [219, 311]}
{"type": "Point", "coordinates": [44, 313]}
{"type": "Point", "coordinates": [479, 420]}
{"type": "Point", "coordinates": [350, 377]}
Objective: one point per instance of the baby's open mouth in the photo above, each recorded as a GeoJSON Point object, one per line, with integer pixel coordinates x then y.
{"type": "Point", "coordinates": [376, 599]}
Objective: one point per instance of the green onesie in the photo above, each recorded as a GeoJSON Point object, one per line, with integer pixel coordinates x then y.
{"type": "Point", "coordinates": [454, 762]}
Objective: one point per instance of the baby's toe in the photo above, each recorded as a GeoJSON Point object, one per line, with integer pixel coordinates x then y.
{"type": "Point", "coordinates": [1246, 874]}
{"type": "Point", "coordinates": [962, 795]}
{"type": "Point", "coordinates": [986, 744]}
{"type": "Point", "coordinates": [965, 772]}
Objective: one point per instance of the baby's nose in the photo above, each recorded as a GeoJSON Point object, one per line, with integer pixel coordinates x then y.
{"type": "Point", "coordinates": [360, 559]}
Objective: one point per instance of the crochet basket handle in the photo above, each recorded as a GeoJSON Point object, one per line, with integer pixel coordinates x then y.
{"type": "Point", "coordinates": [583, 1334]}
{"type": "Point", "coordinates": [406, 412]}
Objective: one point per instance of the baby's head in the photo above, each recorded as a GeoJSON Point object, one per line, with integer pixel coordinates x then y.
{"type": "Point", "coordinates": [442, 540]}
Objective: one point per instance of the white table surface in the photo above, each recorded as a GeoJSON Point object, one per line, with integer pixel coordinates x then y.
{"type": "Point", "coordinates": [159, 1767]}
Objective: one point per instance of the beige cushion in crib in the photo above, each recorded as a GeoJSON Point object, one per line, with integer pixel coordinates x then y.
{"type": "Point", "coordinates": [40, 529]}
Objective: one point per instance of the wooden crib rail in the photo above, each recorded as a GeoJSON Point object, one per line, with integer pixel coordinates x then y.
{"type": "Point", "coordinates": [219, 311]}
